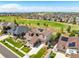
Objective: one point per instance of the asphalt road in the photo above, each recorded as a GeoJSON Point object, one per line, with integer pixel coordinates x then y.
{"type": "Point", "coordinates": [6, 53]}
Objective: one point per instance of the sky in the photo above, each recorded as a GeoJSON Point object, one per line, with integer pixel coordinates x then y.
{"type": "Point", "coordinates": [39, 6]}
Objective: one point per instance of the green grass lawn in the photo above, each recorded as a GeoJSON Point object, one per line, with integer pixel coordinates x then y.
{"type": "Point", "coordinates": [52, 24]}
{"type": "Point", "coordinates": [13, 49]}
{"type": "Point", "coordinates": [52, 55]}
{"type": "Point", "coordinates": [16, 44]}
{"type": "Point", "coordinates": [26, 49]}
{"type": "Point", "coordinates": [39, 54]}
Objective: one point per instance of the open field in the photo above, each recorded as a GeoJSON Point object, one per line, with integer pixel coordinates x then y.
{"type": "Point", "coordinates": [33, 23]}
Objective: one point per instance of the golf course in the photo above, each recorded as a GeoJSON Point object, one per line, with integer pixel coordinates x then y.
{"type": "Point", "coordinates": [38, 23]}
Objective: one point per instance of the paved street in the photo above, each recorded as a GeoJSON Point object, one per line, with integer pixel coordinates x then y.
{"type": "Point", "coordinates": [6, 53]}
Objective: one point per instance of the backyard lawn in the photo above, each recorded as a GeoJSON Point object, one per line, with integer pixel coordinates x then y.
{"type": "Point", "coordinates": [39, 54]}
{"type": "Point", "coordinates": [33, 22]}
{"type": "Point", "coordinates": [13, 49]}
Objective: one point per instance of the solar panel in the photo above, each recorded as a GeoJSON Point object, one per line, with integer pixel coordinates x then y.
{"type": "Point", "coordinates": [72, 44]}
{"type": "Point", "coordinates": [64, 39]}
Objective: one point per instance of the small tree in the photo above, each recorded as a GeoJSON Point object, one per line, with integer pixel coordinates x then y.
{"type": "Point", "coordinates": [74, 21]}
{"type": "Point", "coordinates": [15, 22]}
{"type": "Point", "coordinates": [69, 29]}
{"type": "Point", "coordinates": [72, 34]}
{"type": "Point", "coordinates": [62, 30]}
{"type": "Point", "coordinates": [58, 35]}
{"type": "Point", "coordinates": [78, 35]}
{"type": "Point", "coordinates": [38, 23]}
{"type": "Point", "coordinates": [55, 37]}
{"type": "Point", "coordinates": [52, 55]}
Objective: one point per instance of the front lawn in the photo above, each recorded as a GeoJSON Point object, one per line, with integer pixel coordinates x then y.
{"type": "Point", "coordinates": [16, 44]}
{"type": "Point", "coordinates": [26, 49]}
{"type": "Point", "coordinates": [13, 49]}
{"type": "Point", "coordinates": [39, 54]}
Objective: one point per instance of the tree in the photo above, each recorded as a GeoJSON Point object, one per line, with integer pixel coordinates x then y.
{"type": "Point", "coordinates": [3, 20]}
{"type": "Point", "coordinates": [78, 35]}
{"type": "Point", "coordinates": [55, 37]}
{"type": "Point", "coordinates": [38, 23]}
{"type": "Point", "coordinates": [15, 22]}
{"type": "Point", "coordinates": [62, 30]}
{"type": "Point", "coordinates": [44, 24]}
{"type": "Point", "coordinates": [52, 55]}
{"type": "Point", "coordinates": [72, 34]}
{"type": "Point", "coordinates": [69, 29]}
{"type": "Point", "coordinates": [74, 21]}
{"type": "Point", "coordinates": [58, 35]}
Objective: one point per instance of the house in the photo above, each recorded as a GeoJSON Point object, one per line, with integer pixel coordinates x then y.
{"type": "Point", "coordinates": [69, 45]}
{"type": "Point", "coordinates": [37, 36]}
{"type": "Point", "coordinates": [19, 31]}
{"type": "Point", "coordinates": [77, 20]}
{"type": "Point", "coordinates": [5, 26]}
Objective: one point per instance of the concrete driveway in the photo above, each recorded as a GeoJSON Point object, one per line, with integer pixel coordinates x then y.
{"type": "Point", "coordinates": [60, 55]}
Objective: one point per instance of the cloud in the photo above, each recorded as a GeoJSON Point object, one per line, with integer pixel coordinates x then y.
{"type": "Point", "coordinates": [20, 8]}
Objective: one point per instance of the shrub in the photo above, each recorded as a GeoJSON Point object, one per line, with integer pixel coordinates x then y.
{"type": "Point", "coordinates": [52, 55]}
{"type": "Point", "coordinates": [72, 34]}
{"type": "Point", "coordinates": [69, 29]}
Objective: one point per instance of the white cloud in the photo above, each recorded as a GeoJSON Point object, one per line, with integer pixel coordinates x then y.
{"type": "Point", "coordinates": [19, 8]}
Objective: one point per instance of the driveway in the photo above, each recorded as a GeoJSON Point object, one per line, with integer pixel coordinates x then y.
{"type": "Point", "coordinates": [58, 54]}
